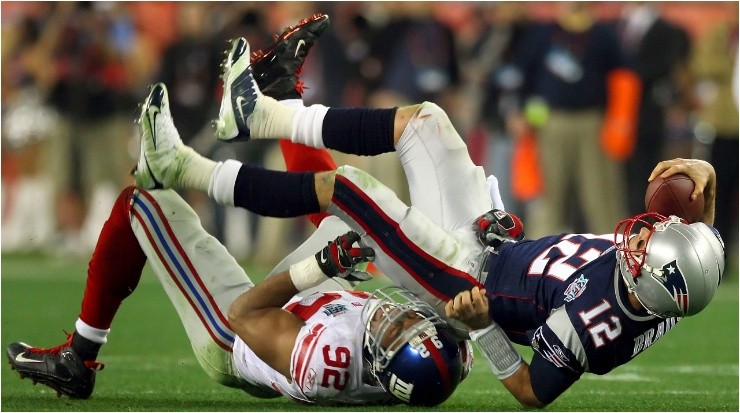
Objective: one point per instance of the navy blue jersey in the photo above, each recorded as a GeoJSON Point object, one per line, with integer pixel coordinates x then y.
{"type": "Point", "coordinates": [563, 296]}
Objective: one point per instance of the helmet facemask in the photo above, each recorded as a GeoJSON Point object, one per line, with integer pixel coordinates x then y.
{"type": "Point", "coordinates": [409, 348]}
{"type": "Point", "coordinates": [384, 330]}
{"type": "Point", "coordinates": [671, 267]}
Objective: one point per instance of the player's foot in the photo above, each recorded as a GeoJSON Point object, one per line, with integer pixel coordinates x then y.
{"type": "Point", "coordinates": [59, 368]}
{"type": "Point", "coordinates": [277, 68]}
{"type": "Point", "coordinates": [163, 156]}
{"type": "Point", "coordinates": [240, 94]}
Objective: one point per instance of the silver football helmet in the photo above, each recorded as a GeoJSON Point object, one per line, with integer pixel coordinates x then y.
{"type": "Point", "coordinates": [677, 270]}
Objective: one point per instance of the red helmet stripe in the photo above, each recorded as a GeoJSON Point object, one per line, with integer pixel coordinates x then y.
{"type": "Point", "coordinates": [439, 361]}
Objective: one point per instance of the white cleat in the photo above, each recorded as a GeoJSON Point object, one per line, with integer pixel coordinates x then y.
{"type": "Point", "coordinates": [240, 94]}
{"type": "Point", "coordinates": [162, 152]}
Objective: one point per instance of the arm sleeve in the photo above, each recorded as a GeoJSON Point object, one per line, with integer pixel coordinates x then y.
{"type": "Point", "coordinates": [559, 358]}
{"type": "Point", "coordinates": [549, 381]}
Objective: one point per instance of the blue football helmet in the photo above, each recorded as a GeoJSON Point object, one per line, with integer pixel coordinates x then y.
{"type": "Point", "coordinates": [412, 351]}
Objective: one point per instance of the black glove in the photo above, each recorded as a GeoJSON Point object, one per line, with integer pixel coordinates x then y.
{"type": "Point", "coordinates": [339, 258]}
{"type": "Point", "coordinates": [496, 227]}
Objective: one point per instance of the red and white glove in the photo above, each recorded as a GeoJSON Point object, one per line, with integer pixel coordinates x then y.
{"type": "Point", "coordinates": [339, 258]}
{"type": "Point", "coordinates": [496, 227]}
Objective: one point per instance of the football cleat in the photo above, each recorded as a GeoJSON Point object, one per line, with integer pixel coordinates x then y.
{"type": "Point", "coordinates": [240, 94]}
{"type": "Point", "coordinates": [59, 368]}
{"type": "Point", "coordinates": [161, 151]}
{"type": "Point", "coordinates": [277, 69]}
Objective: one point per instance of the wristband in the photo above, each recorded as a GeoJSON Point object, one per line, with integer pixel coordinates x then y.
{"type": "Point", "coordinates": [306, 274]}
{"type": "Point", "coordinates": [498, 350]}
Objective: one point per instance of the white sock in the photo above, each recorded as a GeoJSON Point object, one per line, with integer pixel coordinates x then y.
{"type": "Point", "coordinates": [93, 334]}
{"type": "Point", "coordinates": [293, 103]}
{"type": "Point", "coordinates": [195, 170]}
{"type": "Point", "coordinates": [223, 180]}
{"type": "Point", "coordinates": [270, 119]}
{"type": "Point", "coordinates": [307, 125]}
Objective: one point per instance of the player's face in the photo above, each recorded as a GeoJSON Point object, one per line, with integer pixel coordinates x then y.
{"type": "Point", "coordinates": [394, 320]}
{"type": "Point", "coordinates": [639, 241]}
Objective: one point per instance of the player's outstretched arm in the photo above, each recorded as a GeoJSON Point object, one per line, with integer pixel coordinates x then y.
{"type": "Point", "coordinates": [258, 318]}
{"type": "Point", "coordinates": [703, 175]}
{"type": "Point", "coordinates": [471, 307]}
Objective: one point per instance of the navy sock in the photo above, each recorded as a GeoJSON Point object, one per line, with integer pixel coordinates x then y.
{"type": "Point", "coordinates": [359, 131]}
{"type": "Point", "coordinates": [275, 193]}
{"type": "Point", "coordinates": [86, 349]}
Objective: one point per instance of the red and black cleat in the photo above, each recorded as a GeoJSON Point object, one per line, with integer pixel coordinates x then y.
{"type": "Point", "coordinates": [59, 368]}
{"type": "Point", "coordinates": [277, 68]}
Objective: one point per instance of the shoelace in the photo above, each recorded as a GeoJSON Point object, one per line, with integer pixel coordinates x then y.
{"type": "Point", "coordinates": [90, 364]}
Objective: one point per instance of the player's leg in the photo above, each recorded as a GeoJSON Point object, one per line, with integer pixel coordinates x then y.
{"type": "Point", "coordinates": [113, 274]}
{"type": "Point", "coordinates": [433, 155]}
{"type": "Point", "coordinates": [410, 248]}
{"type": "Point", "coordinates": [196, 271]}
{"type": "Point", "coordinates": [283, 194]}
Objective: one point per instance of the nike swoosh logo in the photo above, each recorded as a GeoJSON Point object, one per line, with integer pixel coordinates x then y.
{"type": "Point", "coordinates": [298, 47]}
{"type": "Point", "coordinates": [324, 258]}
{"type": "Point", "coordinates": [239, 102]}
{"type": "Point", "coordinates": [22, 359]}
{"type": "Point", "coordinates": [153, 112]}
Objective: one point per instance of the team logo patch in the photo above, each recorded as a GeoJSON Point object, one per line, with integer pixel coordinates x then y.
{"type": "Point", "coordinates": [552, 352]}
{"type": "Point", "coordinates": [576, 288]}
{"type": "Point", "coordinates": [334, 309]}
{"type": "Point", "coordinates": [310, 382]}
{"type": "Point", "coordinates": [675, 283]}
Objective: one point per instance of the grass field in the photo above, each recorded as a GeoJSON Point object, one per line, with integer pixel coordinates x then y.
{"type": "Point", "coordinates": [150, 367]}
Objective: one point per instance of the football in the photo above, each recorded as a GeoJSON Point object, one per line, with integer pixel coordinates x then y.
{"type": "Point", "coordinates": [672, 196]}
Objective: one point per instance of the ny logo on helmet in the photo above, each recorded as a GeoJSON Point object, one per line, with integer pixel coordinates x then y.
{"type": "Point", "coordinates": [401, 389]}
{"type": "Point", "coordinates": [675, 283]}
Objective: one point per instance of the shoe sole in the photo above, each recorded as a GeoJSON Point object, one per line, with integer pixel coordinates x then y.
{"type": "Point", "coordinates": [144, 176]}
{"type": "Point", "coordinates": [322, 19]}
{"type": "Point", "coordinates": [226, 125]}
{"type": "Point", "coordinates": [36, 378]}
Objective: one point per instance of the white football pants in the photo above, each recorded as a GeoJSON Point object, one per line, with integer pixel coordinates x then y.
{"type": "Point", "coordinates": [201, 278]}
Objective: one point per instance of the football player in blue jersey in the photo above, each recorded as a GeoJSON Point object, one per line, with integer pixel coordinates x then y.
{"type": "Point", "coordinates": [584, 302]}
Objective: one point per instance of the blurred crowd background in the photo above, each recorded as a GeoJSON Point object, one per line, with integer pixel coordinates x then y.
{"type": "Point", "coordinates": [569, 104]}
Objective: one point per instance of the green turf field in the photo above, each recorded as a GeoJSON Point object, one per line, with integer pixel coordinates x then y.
{"type": "Point", "coordinates": [149, 365]}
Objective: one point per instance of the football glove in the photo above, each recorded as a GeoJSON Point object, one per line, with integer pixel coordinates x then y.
{"type": "Point", "coordinates": [496, 227]}
{"type": "Point", "coordinates": [339, 258]}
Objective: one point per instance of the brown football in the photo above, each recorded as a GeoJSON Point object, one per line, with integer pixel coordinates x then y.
{"type": "Point", "coordinates": [672, 196]}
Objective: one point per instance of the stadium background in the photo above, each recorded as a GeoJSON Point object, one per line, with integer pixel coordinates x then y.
{"type": "Point", "coordinates": [51, 213]}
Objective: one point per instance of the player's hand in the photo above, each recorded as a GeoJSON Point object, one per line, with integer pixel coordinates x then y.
{"type": "Point", "coordinates": [339, 258]}
{"type": "Point", "coordinates": [496, 227]}
{"type": "Point", "coordinates": [470, 308]}
{"type": "Point", "coordinates": [701, 172]}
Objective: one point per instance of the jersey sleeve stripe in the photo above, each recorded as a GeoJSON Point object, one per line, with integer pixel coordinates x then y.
{"type": "Point", "coordinates": [302, 356]}
{"type": "Point", "coordinates": [560, 324]}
